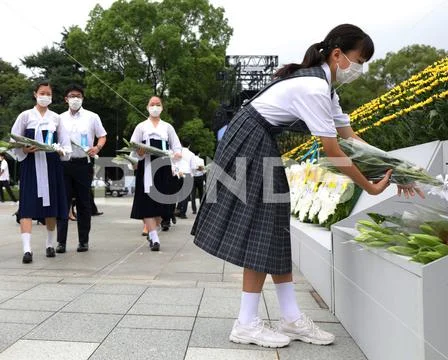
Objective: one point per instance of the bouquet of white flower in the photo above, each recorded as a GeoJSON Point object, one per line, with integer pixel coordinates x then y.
{"type": "Point", "coordinates": [23, 141]}
{"type": "Point", "coordinates": [319, 196]}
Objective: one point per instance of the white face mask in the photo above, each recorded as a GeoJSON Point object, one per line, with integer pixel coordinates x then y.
{"type": "Point", "coordinates": [74, 103]}
{"type": "Point", "coordinates": [154, 111]}
{"type": "Point", "coordinates": [351, 73]}
{"type": "Point", "coordinates": [43, 101]}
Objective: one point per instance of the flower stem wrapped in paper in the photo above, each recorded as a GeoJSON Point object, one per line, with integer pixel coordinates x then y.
{"type": "Point", "coordinates": [132, 146]}
{"type": "Point", "coordinates": [23, 141]}
{"type": "Point", "coordinates": [374, 163]}
{"type": "Point", "coordinates": [85, 150]}
{"type": "Point", "coordinates": [124, 159]}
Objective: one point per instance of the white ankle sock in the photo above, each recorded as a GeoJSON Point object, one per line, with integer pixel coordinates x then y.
{"type": "Point", "coordinates": [287, 300]}
{"type": "Point", "coordinates": [50, 238]}
{"type": "Point", "coordinates": [249, 307]}
{"type": "Point", "coordinates": [26, 242]}
{"type": "Point", "coordinates": [154, 236]}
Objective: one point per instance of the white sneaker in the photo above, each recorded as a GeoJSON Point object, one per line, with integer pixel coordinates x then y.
{"type": "Point", "coordinates": [305, 330]}
{"type": "Point", "coordinates": [257, 333]}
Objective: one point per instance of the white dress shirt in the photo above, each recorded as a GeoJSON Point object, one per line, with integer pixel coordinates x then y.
{"type": "Point", "coordinates": [82, 122]}
{"type": "Point", "coordinates": [4, 171]}
{"type": "Point", "coordinates": [307, 98]}
{"type": "Point", "coordinates": [187, 163]}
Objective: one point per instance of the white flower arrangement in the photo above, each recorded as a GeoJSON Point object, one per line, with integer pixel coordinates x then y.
{"type": "Point", "coordinates": [317, 193]}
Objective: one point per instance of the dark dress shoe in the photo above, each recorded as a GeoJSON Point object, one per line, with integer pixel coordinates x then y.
{"type": "Point", "coordinates": [155, 246]}
{"type": "Point", "coordinates": [60, 249]}
{"type": "Point", "coordinates": [173, 219]}
{"type": "Point", "coordinates": [194, 212]}
{"type": "Point", "coordinates": [50, 252]}
{"type": "Point", "coordinates": [183, 216]}
{"type": "Point", "coordinates": [27, 258]}
{"type": "Point", "coordinates": [165, 227]}
{"type": "Point", "coordinates": [98, 213]}
{"type": "Point", "coordinates": [82, 247]}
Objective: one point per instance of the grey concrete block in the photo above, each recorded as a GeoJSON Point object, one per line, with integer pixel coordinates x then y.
{"type": "Point", "coordinates": [229, 354]}
{"type": "Point", "coordinates": [8, 294]}
{"type": "Point", "coordinates": [39, 305]}
{"type": "Point", "coordinates": [343, 349]}
{"type": "Point", "coordinates": [189, 276]}
{"type": "Point", "coordinates": [223, 292]}
{"type": "Point", "coordinates": [219, 284]}
{"type": "Point", "coordinates": [60, 292]}
{"type": "Point", "coordinates": [181, 296]}
{"type": "Point", "coordinates": [143, 344]}
{"type": "Point", "coordinates": [10, 333]}
{"type": "Point", "coordinates": [121, 289]}
{"type": "Point", "coordinates": [48, 350]}
{"type": "Point", "coordinates": [157, 322]}
{"type": "Point", "coordinates": [75, 327]}
{"type": "Point", "coordinates": [101, 304]}
{"type": "Point", "coordinates": [12, 285]}
{"type": "Point", "coordinates": [164, 310]}
{"type": "Point", "coordinates": [23, 316]}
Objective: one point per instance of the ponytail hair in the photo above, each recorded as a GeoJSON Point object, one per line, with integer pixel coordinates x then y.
{"type": "Point", "coordinates": [345, 37]}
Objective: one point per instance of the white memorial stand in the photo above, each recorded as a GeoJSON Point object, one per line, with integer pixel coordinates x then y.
{"type": "Point", "coordinates": [393, 308]}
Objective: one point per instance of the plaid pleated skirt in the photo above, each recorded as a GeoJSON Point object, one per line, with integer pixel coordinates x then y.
{"type": "Point", "coordinates": [239, 225]}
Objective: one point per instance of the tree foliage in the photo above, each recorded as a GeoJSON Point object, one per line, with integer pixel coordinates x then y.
{"type": "Point", "coordinates": [137, 48]}
{"type": "Point", "coordinates": [15, 96]}
{"type": "Point", "coordinates": [201, 138]}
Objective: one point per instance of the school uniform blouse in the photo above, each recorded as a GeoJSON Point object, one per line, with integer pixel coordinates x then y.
{"type": "Point", "coordinates": [144, 132]}
{"type": "Point", "coordinates": [50, 121]}
{"type": "Point", "coordinates": [307, 98]}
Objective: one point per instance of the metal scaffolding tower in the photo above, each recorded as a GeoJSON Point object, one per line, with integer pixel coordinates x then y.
{"type": "Point", "coordinates": [243, 77]}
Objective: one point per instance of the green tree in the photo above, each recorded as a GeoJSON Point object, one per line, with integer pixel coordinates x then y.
{"type": "Point", "coordinates": [15, 96]}
{"type": "Point", "coordinates": [171, 49]}
{"type": "Point", "coordinates": [61, 69]}
{"type": "Point", "coordinates": [56, 66]}
{"type": "Point", "coordinates": [202, 139]}
{"type": "Point", "coordinates": [384, 74]}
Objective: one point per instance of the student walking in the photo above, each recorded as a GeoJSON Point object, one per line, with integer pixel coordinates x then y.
{"type": "Point", "coordinates": [160, 134]}
{"type": "Point", "coordinates": [42, 191]}
{"type": "Point", "coordinates": [83, 126]}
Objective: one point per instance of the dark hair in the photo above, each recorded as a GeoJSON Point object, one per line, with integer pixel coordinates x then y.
{"type": "Point", "coordinates": [74, 87]}
{"type": "Point", "coordinates": [186, 142]}
{"type": "Point", "coordinates": [345, 37]}
{"type": "Point", "coordinates": [42, 83]}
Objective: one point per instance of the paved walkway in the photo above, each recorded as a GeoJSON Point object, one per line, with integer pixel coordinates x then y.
{"type": "Point", "coordinates": [121, 301]}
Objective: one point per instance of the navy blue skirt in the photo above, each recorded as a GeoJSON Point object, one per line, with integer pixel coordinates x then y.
{"type": "Point", "coordinates": [30, 205]}
{"type": "Point", "coordinates": [144, 206]}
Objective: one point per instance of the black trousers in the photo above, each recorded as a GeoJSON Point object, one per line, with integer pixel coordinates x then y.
{"type": "Point", "coordinates": [185, 194]}
{"type": "Point", "coordinates": [78, 175]}
{"type": "Point", "coordinates": [5, 184]}
{"type": "Point", "coordinates": [198, 185]}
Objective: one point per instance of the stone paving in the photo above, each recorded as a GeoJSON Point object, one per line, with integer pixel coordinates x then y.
{"type": "Point", "coordinates": [121, 301]}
